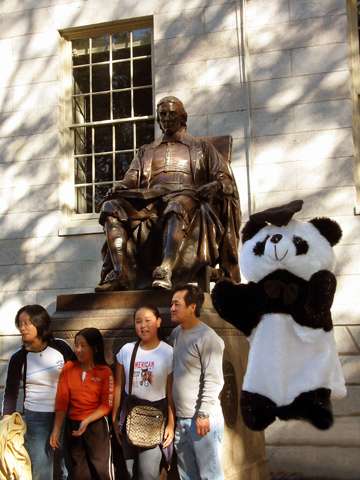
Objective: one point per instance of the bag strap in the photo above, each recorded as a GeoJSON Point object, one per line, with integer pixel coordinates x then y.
{"type": "Point", "coordinates": [132, 363]}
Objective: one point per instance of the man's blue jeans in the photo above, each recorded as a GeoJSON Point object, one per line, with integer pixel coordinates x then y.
{"type": "Point", "coordinates": [39, 426]}
{"type": "Point", "coordinates": [199, 458]}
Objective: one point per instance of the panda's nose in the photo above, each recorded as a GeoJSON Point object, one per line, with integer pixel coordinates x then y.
{"type": "Point", "coordinates": [276, 238]}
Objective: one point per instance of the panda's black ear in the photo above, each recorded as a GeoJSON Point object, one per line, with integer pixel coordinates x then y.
{"type": "Point", "coordinates": [251, 228]}
{"type": "Point", "coordinates": [328, 228]}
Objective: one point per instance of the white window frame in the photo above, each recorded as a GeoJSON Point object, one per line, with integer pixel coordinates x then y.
{"type": "Point", "coordinates": [73, 223]}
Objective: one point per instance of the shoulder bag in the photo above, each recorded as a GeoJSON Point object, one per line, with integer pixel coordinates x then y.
{"type": "Point", "coordinates": [145, 423]}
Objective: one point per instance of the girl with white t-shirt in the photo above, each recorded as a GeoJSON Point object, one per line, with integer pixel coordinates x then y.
{"type": "Point", "coordinates": [152, 381]}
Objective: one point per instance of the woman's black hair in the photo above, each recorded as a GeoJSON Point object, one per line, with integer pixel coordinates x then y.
{"type": "Point", "coordinates": [95, 340]}
{"type": "Point", "coordinates": [40, 318]}
{"type": "Point", "coordinates": [150, 307]}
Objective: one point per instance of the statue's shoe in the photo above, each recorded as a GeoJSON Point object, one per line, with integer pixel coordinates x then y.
{"type": "Point", "coordinates": [113, 283]}
{"type": "Point", "coordinates": [162, 278]}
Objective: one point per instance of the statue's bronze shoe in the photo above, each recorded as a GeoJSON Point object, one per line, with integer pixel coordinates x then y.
{"type": "Point", "coordinates": [113, 282]}
{"type": "Point", "coordinates": [162, 278]}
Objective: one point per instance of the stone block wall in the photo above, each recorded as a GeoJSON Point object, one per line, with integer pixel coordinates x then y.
{"type": "Point", "coordinates": [273, 74]}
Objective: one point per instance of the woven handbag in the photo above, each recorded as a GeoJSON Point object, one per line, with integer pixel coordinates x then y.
{"type": "Point", "coordinates": [145, 424]}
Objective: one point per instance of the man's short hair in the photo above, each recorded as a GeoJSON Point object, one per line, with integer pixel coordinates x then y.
{"type": "Point", "coordinates": [194, 295]}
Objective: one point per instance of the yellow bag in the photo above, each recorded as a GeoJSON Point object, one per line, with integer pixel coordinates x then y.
{"type": "Point", "coordinates": [14, 460]}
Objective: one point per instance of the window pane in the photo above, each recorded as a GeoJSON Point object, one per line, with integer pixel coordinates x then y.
{"type": "Point", "coordinates": [81, 80]}
{"type": "Point", "coordinates": [121, 45]}
{"type": "Point", "coordinates": [101, 78]}
{"type": "Point", "coordinates": [82, 140]}
{"type": "Point", "coordinates": [83, 170]}
{"type": "Point", "coordinates": [144, 133]}
{"type": "Point", "coordinates": [122, 162]}
{"type": "Point", "coordinates": [103, 168]}
{"type": "Point", "coordinates": [143, 102]}
{"type": "Point", "coordinates": [81, 109]}
{"type": "Point", "coordinates": [103, 138]}
{"type": "Point", "coordinates": [142, 72]}
{"type": "Point", "coordinates": [101, 107]}
{"type": "Point", "coordinates": [124, 136]}
{"type": "Point", "coordinates": [122, 104]}
{"type": "Point", "coordinates": [83, 199]}
{"type": "Point", "coordinates": [80, 51]}
{"type": "Point", "coordinates": [142, 42]}
{"type": "Point", "coordinates": [100, 192]}
{"type": "Point", "coordinates": [121, 75]}
{"type": "Point", "coordinates": [100, 49]}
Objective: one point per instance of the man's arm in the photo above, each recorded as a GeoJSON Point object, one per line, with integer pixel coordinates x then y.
{"type": "Point", "coordinates": [211, 351]}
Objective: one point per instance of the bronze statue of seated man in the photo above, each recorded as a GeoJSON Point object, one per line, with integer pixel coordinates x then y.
{"type": "Point", "coordinates": [175, 211]}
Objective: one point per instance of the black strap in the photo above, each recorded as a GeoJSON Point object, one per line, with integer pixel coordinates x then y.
{"type": "Point", "coordinates": [132, 363]}
{"type": "Point", "coordinates": [24, 379]}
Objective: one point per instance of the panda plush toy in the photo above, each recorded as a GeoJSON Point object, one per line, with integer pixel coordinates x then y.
{"type": "Point", "coordinates": [284, 309]}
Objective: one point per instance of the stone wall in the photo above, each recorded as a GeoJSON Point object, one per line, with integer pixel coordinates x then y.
{"type": "Point", "coordinates": [274, 74]}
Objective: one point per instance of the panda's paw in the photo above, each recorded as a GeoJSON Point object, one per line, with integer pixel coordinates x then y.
{"type": "Point", "coordinates": [315, 407]}
{"type": "Point", "coordinates": [258, 411]}
{"type": "Point", "coordinates": [224, 299]}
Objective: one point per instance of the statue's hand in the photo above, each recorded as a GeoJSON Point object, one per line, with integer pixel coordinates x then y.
{"type": "Point", "coordinates": [113, 191]}
{"type": "Point", "coordinates": [209, 189]}
{"type": "Point", "coordinates": [227, 187]}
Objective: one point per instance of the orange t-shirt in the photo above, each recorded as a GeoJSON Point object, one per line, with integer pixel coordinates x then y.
{"type": "Point", "coordinates": [81, 397]}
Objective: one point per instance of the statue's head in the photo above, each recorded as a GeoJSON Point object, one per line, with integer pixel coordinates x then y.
{"type": "Point", "coordinates": [171, 114]}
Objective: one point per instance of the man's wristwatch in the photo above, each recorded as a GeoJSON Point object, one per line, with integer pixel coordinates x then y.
{"type": "Point", "coordinates": [202, 415]}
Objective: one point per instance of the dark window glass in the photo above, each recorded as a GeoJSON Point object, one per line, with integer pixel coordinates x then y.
{"type": "Point", "coordinates": [81, 109]}
{"type": "Point", "coordinates": [121, 75]}
{"type": "Point", "coordinates": [100, 192]}
{"type": "Point", "coordinates": [100, 49]}
{"type": "Point", "coordinates": [143, 102]}
{"type": "Point", "coordinates": [122, 162]}
{"type": "Point", "coordinates": [83, 199]}
{"type": "Point", "coordinates": [144, 133]}
{"type": "Point", "coordinates": [103, 168]}
{"type": "Point", "coordinates": [81, 80]}
{"type": "Point", "coordinates": [142, 72]}
{"type": "Point", "coordinates": [142, 42]}
{"type": "Point", "coordinates": [83, 170]}
{"type": "Point", "coordinates": [80, 51]}
{"type": "Point", "coordinates": [121, 45]}
{"type": "Point", "coordinates": [101, 78]}
{"type": "Point", "coordinates": [103, 138]}
{"type": "Point", "coordinates": [122, 104]}
{"type": "Point", "coordinates": [82, 140]}
{"type": "Point", "coordinates": [101, 107]}
{"type": "Point", "coordinates": [124, 136]}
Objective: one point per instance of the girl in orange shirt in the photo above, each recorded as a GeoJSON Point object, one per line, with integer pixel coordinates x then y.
{"type": "Point", "coordinates": [85, 397]}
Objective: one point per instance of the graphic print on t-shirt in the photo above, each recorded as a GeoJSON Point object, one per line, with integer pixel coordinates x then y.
{"type": "Point", "coordinates": [144, 372]}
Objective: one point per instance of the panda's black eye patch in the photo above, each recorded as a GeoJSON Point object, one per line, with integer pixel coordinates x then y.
{"type": "Point", "coordinates": [260, 247]}
{"type": "Point", "coordinates": [301, 245]}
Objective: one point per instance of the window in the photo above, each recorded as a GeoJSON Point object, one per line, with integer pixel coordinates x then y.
{"type": "Point", "coordinates": [111, 107]}
{"type": "Point", "coordinates": [354, 34]}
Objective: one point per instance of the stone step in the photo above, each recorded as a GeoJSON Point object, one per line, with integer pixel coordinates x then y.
{"type": "Point", "coordinates": [344, 433]}
{"type": "Point", "coordinates": [320, 463]}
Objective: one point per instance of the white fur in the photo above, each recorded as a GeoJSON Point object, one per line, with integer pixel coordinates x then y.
{"type": "Point", "coordinates": [285, 358]}
{"type": "Point", "coordinates": [320, 255]}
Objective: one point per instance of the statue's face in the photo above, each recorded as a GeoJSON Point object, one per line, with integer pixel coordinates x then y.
{"type": "Point", "coordinates": [169, 117]}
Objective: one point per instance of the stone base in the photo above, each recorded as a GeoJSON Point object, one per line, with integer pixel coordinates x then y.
{"type": "Point", "coordinates": [112, 313]}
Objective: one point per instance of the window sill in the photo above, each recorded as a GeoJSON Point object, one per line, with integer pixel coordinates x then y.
{"type": "Point", "coordinates": [80, 227]}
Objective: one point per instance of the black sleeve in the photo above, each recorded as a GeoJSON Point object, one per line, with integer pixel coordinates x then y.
{"type": "Point", "coordinates": [13, 379]}
{"type": "Point", "coordinates": [64, 348]}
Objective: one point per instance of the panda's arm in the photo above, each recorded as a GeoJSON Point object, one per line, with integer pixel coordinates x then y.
{"type": "Point", "coordinates": [240, 305]}
{"type": "Point", "coordinates": [321, 291]}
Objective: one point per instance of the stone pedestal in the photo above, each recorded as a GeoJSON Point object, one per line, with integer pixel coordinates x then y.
{"type": "Point", "coordinates": [112, 313]}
